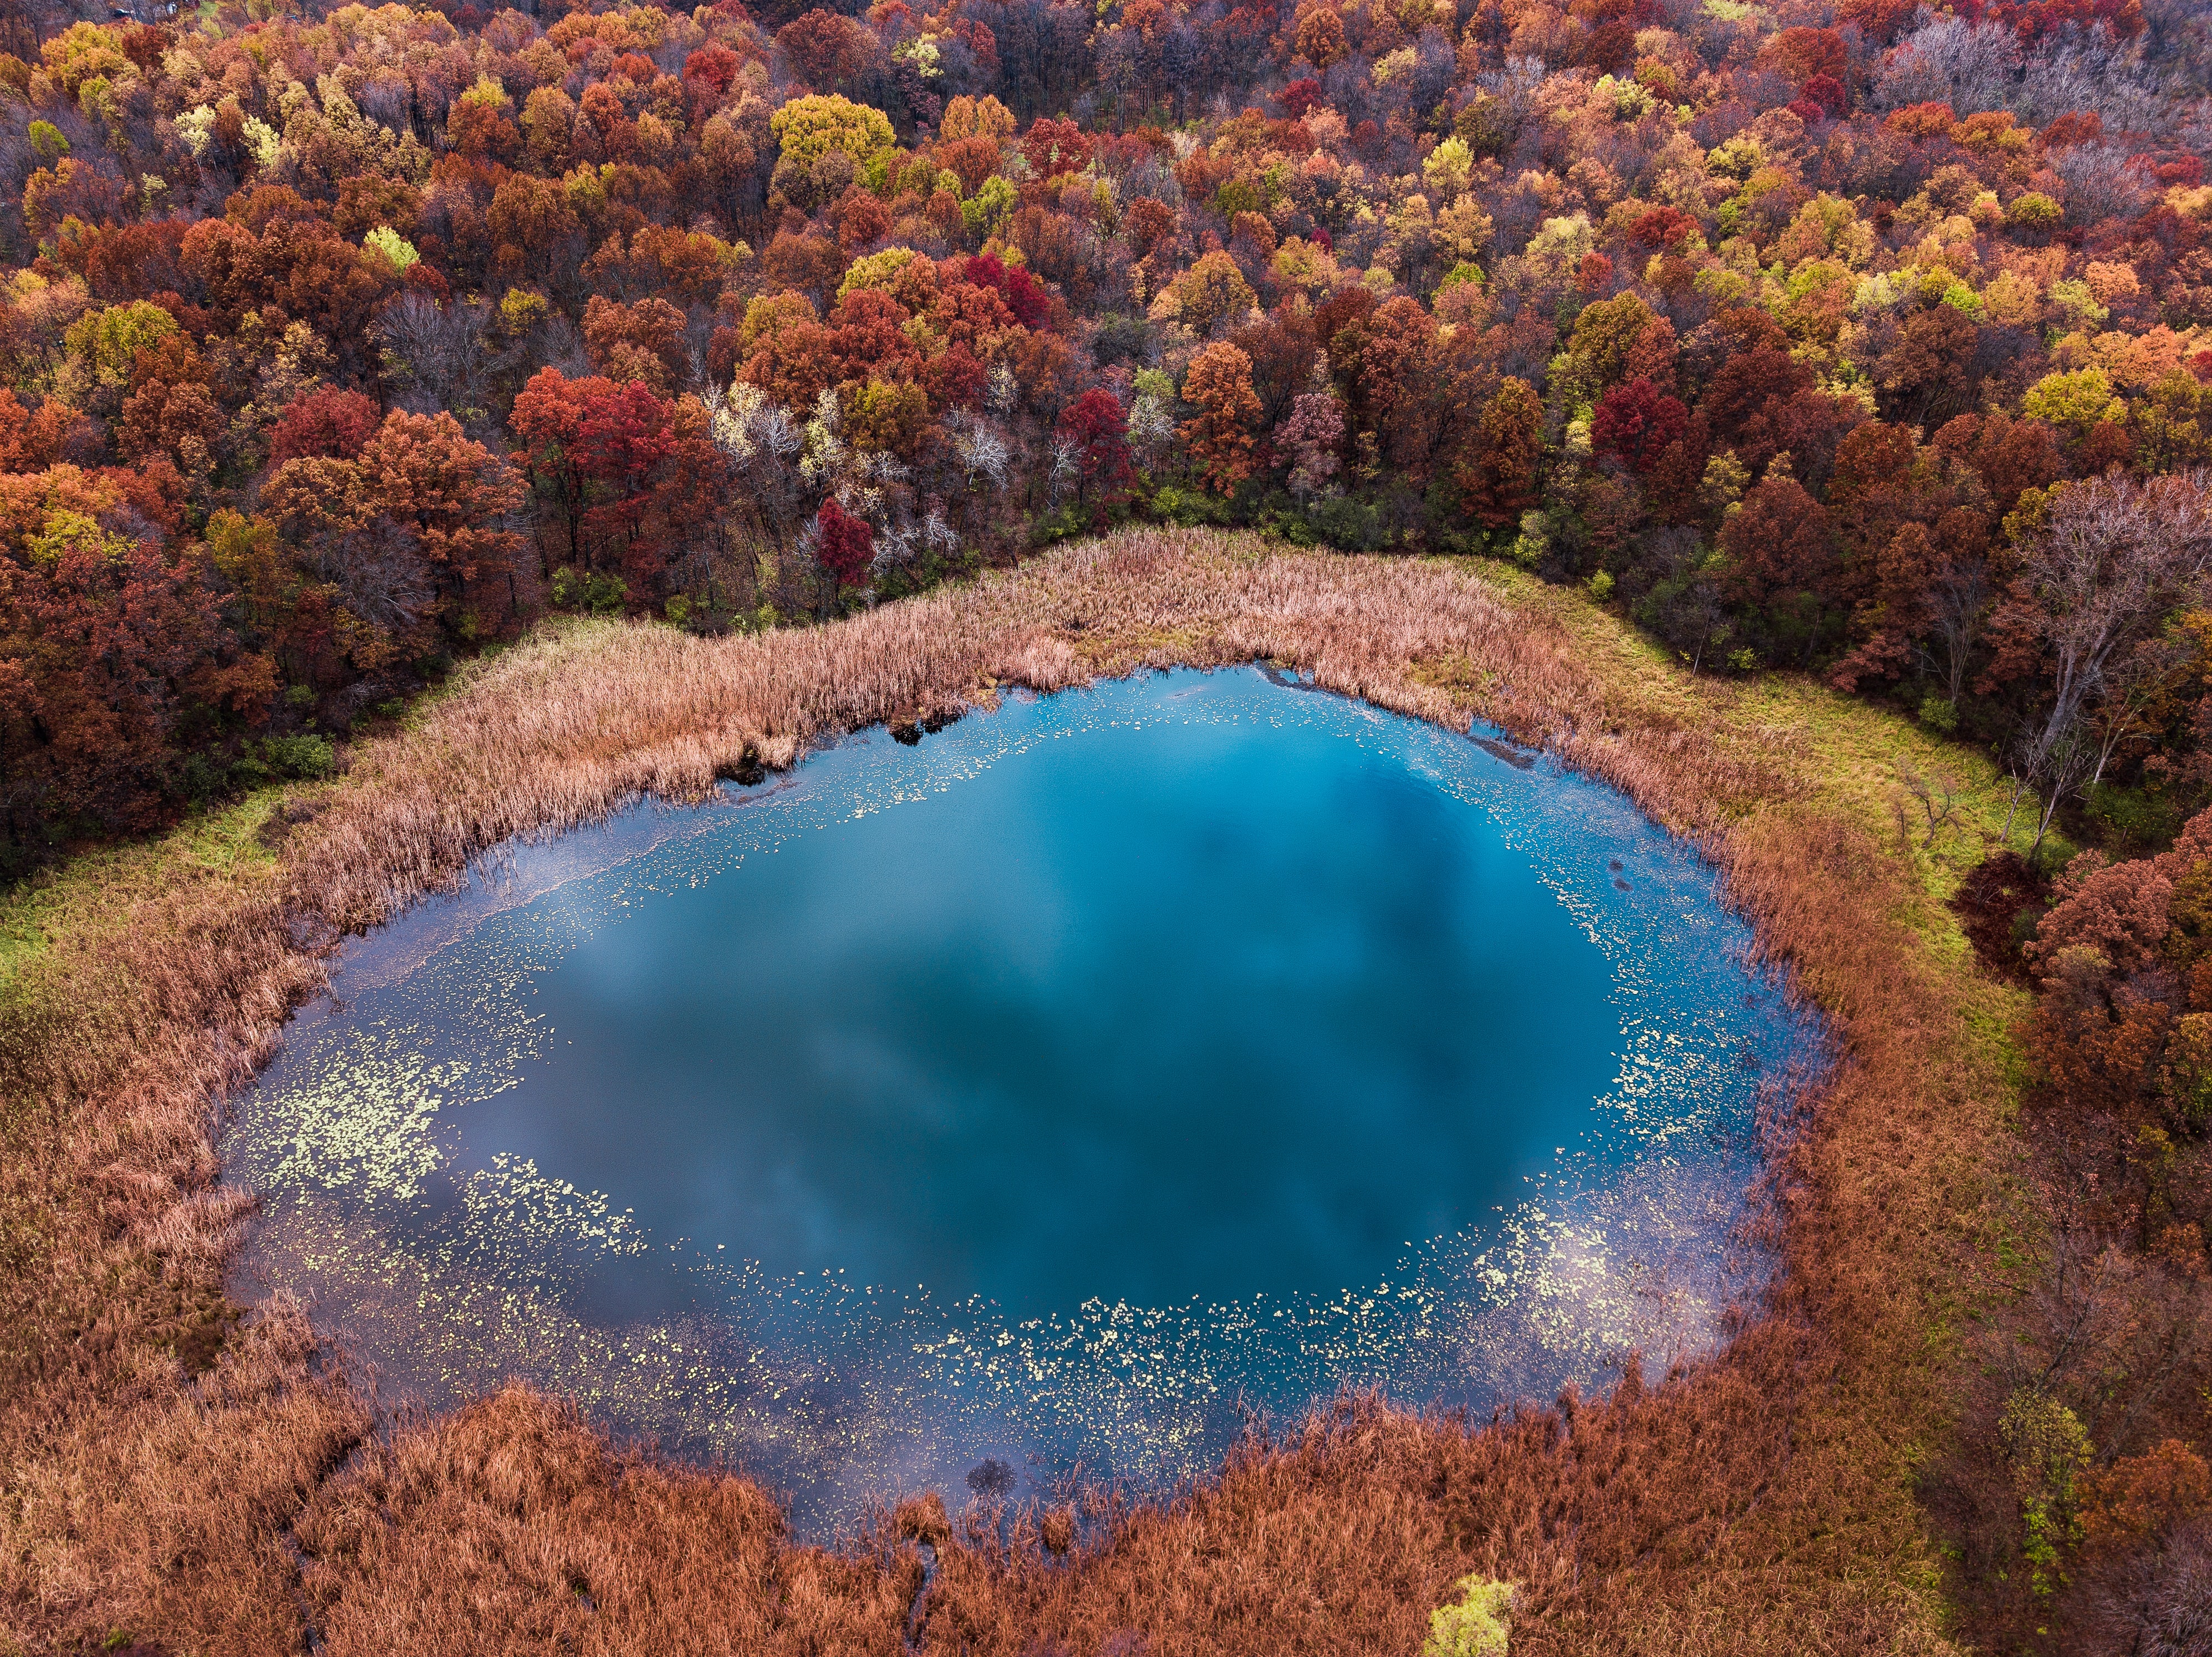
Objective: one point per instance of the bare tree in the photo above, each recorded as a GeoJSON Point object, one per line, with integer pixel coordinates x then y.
{"type": "Point", "coordinates": [1946, 59]}
{"type": "Point", "coordinates": [983, 452]}
{"type": "Point", "coordinates": [1152, 426]}
{"type": "Point", "coordinates": [2115, 558]}
{"type": "Point", "coordinates": [2100, 183]}
{"type": "Point", "coordinates": [2132, 684]}
{"type": "Point", "coordinates": [2053, 764]}
{"type": "Point", "coordinates": [1065, 471]}
{"type": "Point", "coordinates": [438, 354]}
{"type": "Point", "coordinates": [379, 569]}
{"type": "Point", "coordinates": [1958, 606]}
{"type": "Point", "coordinates": [19, 29]}
{"type": "Point", "coordinates": [2012, 804]}
{"type": "Point", "coordinates": [1937, 793]}
{"type": "Point", "coordinates": [2157, 1601]}
{"type": "Point", "coordinates": [2094, 73]}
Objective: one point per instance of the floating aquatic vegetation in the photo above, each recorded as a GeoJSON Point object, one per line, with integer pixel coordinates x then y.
{"type": "Point", "coordinates": [450, 1257]}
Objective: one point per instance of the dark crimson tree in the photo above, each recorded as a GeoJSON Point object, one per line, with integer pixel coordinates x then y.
{"type": "Point", "coordinates": [1635, 422]}
{"type": "Point", "coordinates": [1097, 425]}
{"type": "Point", "coordinates": [844, 543]}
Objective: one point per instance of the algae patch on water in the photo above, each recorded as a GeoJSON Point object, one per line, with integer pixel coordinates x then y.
{"type": "Point", "coordinates": [1068, 1087]}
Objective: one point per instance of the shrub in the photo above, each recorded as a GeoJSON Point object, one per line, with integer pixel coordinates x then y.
{"type": "Point", "coordinates": [2136, 818]}
{"type": "Point", "coordinates": [1189, 507]}
{"type": "Point", "coordinates": [1478, 1626]}
{"type": "Point", "coordinates": [1070, 519]}
{"type": "Point", "coordinates": [273, 759]}
{"type": "Point", "coordinates": [589, 591]}
{"type": "Point", "coordinates": [1347, 525]}
{"type": "Point", "coordinates": [394, 246]}
{"type": "Point", "coordinates": [2034, 213]}
{"type": "Point", "coordinates": [305, 758]}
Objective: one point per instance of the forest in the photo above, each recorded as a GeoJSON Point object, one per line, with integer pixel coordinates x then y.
{"type": "Point", "coordinates": [1854, 339]}
{"type": "Point", "coordinates": [1871, 344]}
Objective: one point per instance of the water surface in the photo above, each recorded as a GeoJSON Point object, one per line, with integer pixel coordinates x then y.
{"type": "Point", "coordinates": [1063, 1089]}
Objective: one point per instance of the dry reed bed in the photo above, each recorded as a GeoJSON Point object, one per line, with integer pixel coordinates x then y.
{"type": "Point", "coordinates": [1759, 1503]}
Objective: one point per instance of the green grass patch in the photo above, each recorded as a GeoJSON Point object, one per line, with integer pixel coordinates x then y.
{"type": "Point", "coordinates": [84, 898]}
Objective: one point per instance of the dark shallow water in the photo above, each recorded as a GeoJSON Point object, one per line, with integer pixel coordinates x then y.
{"type": "Point", "coordinates": [1062, 1089]}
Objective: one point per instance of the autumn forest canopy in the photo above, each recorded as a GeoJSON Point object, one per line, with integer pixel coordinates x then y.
{"type": "Point", "coordinates": [1870, 340]}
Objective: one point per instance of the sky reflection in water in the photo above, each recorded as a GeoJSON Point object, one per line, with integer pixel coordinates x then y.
{"type": "Point", "coordinates": [1061, 1090]}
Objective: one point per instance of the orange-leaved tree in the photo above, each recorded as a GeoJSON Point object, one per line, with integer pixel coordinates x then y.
{"type": "Point", "coordinates": [1497, 475]}
{"type": "Point", "coordinates": [452, 493]}
{"type": "Point", "coordinates": [1219, 437]}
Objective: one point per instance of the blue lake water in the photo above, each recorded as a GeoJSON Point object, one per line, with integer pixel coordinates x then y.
{"type": "Point", "coordinates": [1064, 1089]}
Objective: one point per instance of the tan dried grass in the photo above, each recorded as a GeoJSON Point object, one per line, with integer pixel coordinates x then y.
{"type": "Point", "coordinates": [1759, 1504]}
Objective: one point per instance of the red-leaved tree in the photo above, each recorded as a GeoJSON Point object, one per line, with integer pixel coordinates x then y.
{"type": "Point", "coordinates": [1635, 422]}
{"type": "Point", "coordinates": [845, 543]}
{"type": "Point", "coordinates": [1024, 294]}
{"type": "Point", "coordinates": [1095, 424]}
{"type": "Point", "coordinates": [327, 421]}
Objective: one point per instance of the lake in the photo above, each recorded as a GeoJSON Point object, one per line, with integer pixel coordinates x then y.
{"type": "Point", "coordinates": [1063, 1091]}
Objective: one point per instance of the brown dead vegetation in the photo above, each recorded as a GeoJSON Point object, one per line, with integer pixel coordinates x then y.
{"type": "Point", "coordinates": [200, 1488]}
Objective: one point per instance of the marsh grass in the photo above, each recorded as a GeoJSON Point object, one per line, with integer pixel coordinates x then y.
{"type": "Point", "coordinates": [206, 1486]}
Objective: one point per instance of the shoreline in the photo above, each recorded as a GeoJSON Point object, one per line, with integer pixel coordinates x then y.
{"type": "Point", "coordinates": [1625, 1244]}
{"type": "Point", "coordinates": [1846, 1331]}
